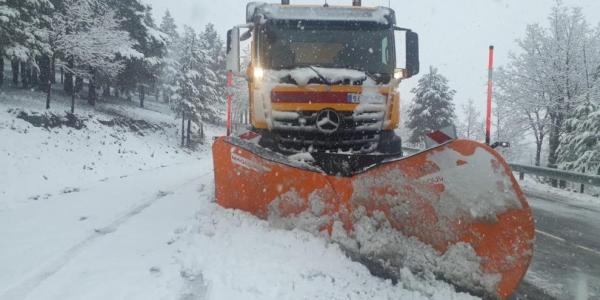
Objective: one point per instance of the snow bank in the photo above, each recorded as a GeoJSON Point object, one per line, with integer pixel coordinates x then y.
{"type": "Point", "coordinates": [532, 184]}
{"type": "Point", "coordinates": [55, 158]}
{"type": "Point", "coordinates": [245, 258]}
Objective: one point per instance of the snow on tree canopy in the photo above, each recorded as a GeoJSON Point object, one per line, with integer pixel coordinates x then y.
{"type": "Point", "coordinates": [580, 145]}
{"type": "Point", "coordinates": [382, 15]}
{"type": "Point", "coordinates": [433, 108]}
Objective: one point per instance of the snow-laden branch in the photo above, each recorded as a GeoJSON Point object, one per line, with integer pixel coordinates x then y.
{"type": "Point", "coordinates": [87, 35]}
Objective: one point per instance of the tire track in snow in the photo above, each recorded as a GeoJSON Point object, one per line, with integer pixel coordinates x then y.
{"type": "Point", "coordinates": [22, 289]}
{"type": "Point", "coordinates": [86, 186]}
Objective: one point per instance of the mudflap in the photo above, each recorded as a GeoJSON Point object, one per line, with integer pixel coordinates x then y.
{"type": "Point", "coordinates": [454, 212]}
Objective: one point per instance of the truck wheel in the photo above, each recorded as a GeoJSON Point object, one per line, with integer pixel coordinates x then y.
{"type": "Point", "coordinates": [267, 140]}
{"type": "Point", "coordinates": [390, 143]}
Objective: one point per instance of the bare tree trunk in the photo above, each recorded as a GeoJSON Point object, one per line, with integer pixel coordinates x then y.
{"type": "Point", "coordinates": [106, 90]}
{"type": "Point", "coordinates": [554, 143]}
{"type": "Point", "coordinates": [182, 129]}
{"type": "Point", "coordinates": [72, 96]}
{"type": "Point", "coordinates": [142, 95]}
{"type": "Point", "coordinates": [53, 69]}
{"type": "Point", "coordinates": [15, 71]}
{"type": "Point", "coordinates": [538, 153]}
{"type": "Point", "coordinates": [202, 131]}
{"type": "Point", "coordinates": [92, 96]}
{"type": "Point", "coordinates": [189, 132]}
{"type": "Point", "coordinates": [78, 84]}
{"type": "Point", "coordinates": [33, 76]}
{"type": "Point", "coordinates": [68, 80]}
{"type": "Point", "coordinates": [48, 93]}
{"type": "Point", "coordinates": [47, 67]}
{"type": "Point", "coordinates": [1, 68]}
{"type": "Point", "coordinates": [25, 76]}
{"type": "Point", "coordinates": [45, 72]}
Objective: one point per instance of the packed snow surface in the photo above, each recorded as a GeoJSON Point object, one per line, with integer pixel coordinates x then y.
{"type": "Point", "coordinates": [108, 212]}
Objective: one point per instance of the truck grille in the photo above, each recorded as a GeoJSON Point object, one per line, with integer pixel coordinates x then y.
{"type": "Point", "coordinates": [357, 132]}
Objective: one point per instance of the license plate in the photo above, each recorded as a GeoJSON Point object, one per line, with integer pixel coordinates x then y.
{"type": "Point", "coordinates": [353, 98]}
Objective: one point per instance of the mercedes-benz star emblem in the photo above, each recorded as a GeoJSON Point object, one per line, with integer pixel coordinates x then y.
{"type": "Point", "coordinates": [328, 121]}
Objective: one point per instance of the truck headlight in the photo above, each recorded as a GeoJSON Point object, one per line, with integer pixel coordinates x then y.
{"type": "Point", "coordinates": [399, 74]}
{"type": "Point", "coordinates": [258, 73]}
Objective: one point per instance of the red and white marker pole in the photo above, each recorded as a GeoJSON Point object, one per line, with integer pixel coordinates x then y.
{"type": "Point", "coordinates": [488, 115]}
{"type": "Point", "coordinates": [229, 85]}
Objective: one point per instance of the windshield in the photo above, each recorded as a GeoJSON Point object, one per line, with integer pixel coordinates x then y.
{"type": "Point", "coordinates": [368, 50]}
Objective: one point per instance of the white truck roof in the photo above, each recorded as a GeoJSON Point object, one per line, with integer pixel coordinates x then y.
{"type": "Point", "coordinates": [268, 11]}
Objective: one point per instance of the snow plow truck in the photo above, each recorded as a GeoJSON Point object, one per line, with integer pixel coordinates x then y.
{"type": "Point", "coordinates": [320, 153]}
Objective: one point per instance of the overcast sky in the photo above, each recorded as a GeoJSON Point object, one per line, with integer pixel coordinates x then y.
{"type": "Point", "coordinates": [455, 34]}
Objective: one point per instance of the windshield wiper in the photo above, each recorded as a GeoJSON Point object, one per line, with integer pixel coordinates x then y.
{"type": "Point", "coordinates": [372, 76]}
{"type": "Point", "coordinates": [320, 75]}
{"type": "Point", "coordinates": [367, 73]}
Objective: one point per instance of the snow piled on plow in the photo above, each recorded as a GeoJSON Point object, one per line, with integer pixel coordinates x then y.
{"type": "Point", "coordinates": [463, 196]}
{"type": "Point", "coordinates": [386, 251]}
{"type": "Point", "coordinates": [476, 190]}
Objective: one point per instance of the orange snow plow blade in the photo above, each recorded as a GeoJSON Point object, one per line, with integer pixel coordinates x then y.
{"type": "Point", "coordinates": [455, 210]}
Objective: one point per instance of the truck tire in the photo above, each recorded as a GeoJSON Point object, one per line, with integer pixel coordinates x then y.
{"type": "Point", "coordinates": [390, 143]}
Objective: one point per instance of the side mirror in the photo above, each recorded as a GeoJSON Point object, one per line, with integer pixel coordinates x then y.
{"type": "Point", "coordinates": [412, 54]}
{"type": "Point", "coordinates": [233, 50]}
{"type": "Point", "coordinates": [407, 53]}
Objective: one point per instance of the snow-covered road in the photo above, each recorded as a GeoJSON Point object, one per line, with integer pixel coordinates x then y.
{"type": "Point", "coordinates": [566, 261]}
{"type": "Point", "coordinates": [157, 235]}
{"type": "Point", "coordinates": [89, 233]}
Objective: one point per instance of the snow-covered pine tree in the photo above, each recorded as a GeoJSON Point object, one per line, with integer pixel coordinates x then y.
{"type": "Point", "coordinates": [87, 36]}
{"type": "Point", "coordinates": [169, 27]}
{"type": "Point", "coordinates": [154, 54]}
{"type": "Point", "coordinates": [214, 77]}
{"type": "Point", "coordinates": [432, 107]}
{"type": "Point", "coordinates": [170, 66]}
{"type": "Point", "coordinates": [189, 93]}
{"type": "Point", "coordinates": [580, 145]}
{"type": "Point", "coordinates": [137, 21]}
{"type": "Point", "coordinates": [22, 33]}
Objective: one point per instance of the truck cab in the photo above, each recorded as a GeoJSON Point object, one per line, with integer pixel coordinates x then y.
{"type": "Point", "coordinates": [324, 78]}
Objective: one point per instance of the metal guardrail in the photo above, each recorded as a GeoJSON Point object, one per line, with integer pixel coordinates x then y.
{"type": "Point", "coordinates": [584, 179]}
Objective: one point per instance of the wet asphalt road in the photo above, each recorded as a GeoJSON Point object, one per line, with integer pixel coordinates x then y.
{"type": "Point", "coordinates": [566, 262]}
